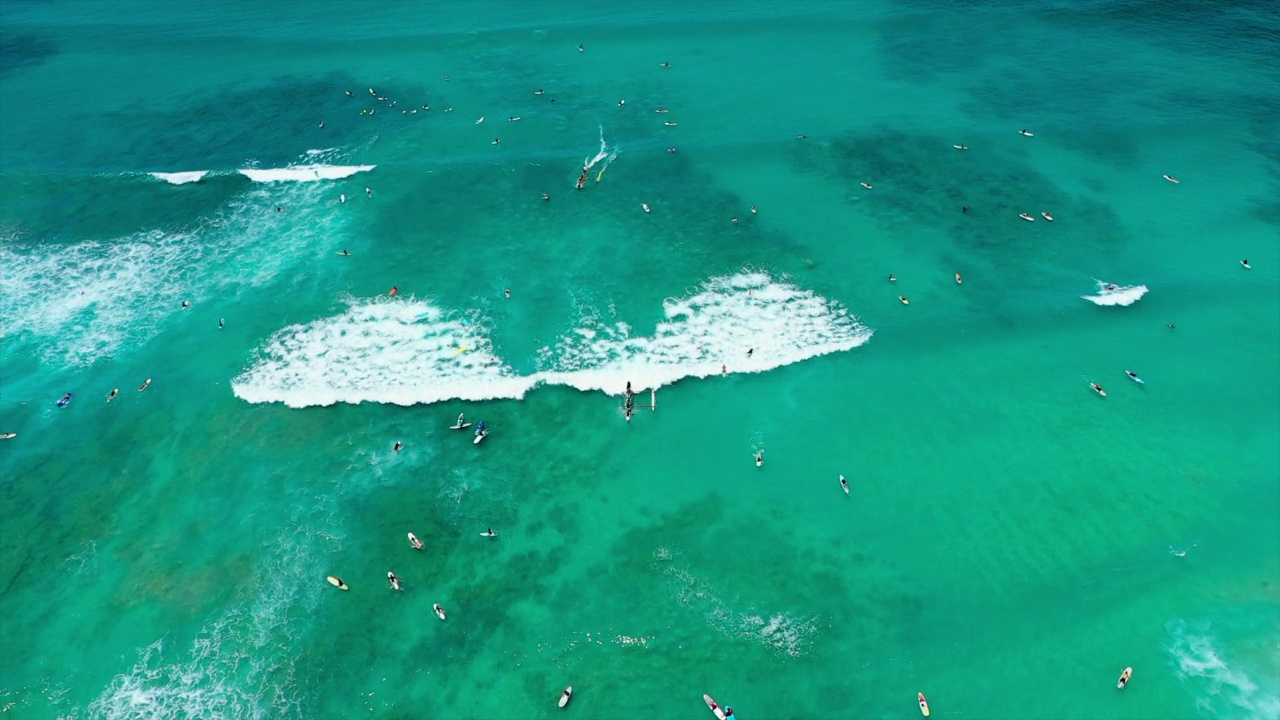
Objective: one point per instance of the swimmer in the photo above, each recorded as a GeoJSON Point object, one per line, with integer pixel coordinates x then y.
{"type": "Point", "coordinates": [113, 394]}
{"type": "Point", "coordinates": [348, 93]}
{"type": "Point", "coordinates": [507, 293]}
{"type": "Point", "coordinates": [964, 209]}
{"type": "Point", "coordinates": [672, 150]}
{"type": "Point", "coordinates": [546, 196]}
{"type": "Point", "coordinates": [397, 446]}
{"type": "Point", "coordinates": [1171, 326]}
{"type": "Point", "coordinates": [892, 278]}
{"type": "Point", "coordinates": [344, 252]}
{"type": "Point", "coordinates": [802, 137]}
{"type": "Point", "coordinates": [753, 209]}
{"type": "Point", "coordinates": [1245, 264]}
{"type": "Point", "coordinates": [186, 303]}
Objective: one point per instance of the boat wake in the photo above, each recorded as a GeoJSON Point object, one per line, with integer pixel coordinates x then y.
{"type": "Point", "coordinates": [1112, 294]}
{"type": "Point", "coordinates": [408, 352]}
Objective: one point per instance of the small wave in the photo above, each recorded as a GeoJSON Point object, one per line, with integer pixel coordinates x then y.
{"type": "Point", "coordinates": [1112, 294]}
{"type": "Point", "coordinates": [405, 353]}
{"type": "Point", "coordinates": [304, 173]}
{"type": "Point", "coordinates": [180, 178]}
{"type": "Point", "coordinates": [1220, 689]}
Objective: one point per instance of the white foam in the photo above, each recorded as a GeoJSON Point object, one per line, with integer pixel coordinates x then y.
{"type": "Point", "coordinates": [1221, 690]}
{"type": "Point", "coordinates": [304, 173]}
{"type": "Point", "coordinates": [384, 350]}
{"type": "Point", "coordinates": [1119, 295]}
{"type": "Point", "coordinates": [85, 301]}
{"type": "Point", "coordinates": [180, 178]}
{"type": "Point", "coordinates": [406, 351]}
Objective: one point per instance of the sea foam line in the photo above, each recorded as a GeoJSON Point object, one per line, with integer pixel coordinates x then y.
{"type": "Point", "coordinates": [304, 173]}
{"type": "Point", "coordinates": [1112, 294]}
{"type": "Point", "coordinates": [408, 352]}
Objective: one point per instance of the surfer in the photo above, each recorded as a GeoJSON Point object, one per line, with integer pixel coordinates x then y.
{"type": "Point", "coordinates": [1110, 288]}
{"type": "Point", "coordinates": [728, 714]}
{"type": "Point", "coordinates": [321, 123]}
{"type": "Point", "coordinates": [344, 252]}
{"type": "Point", "coordinates": [539, 91]}
{"type": "Point", "coordinates": [546, 197]}
{"type": "Point", "coordinates": [1245, 264]}
{"type": "Point", "coordinates": [186, 303]}
{"type": "Point", "coordinates": [892, 278]}
{"type": "Point", "coordinates": [734, 221]}
{"type": "Point", "coordinates": [753, 209]}
{"type": "Point", "coordinates": [622, 102]}
{"type": "Point", "coordinates": [279, 208]}
{"type": "Point", "coordinates": [65, 399]}
{"type": "Point", "coordinates": [496, 141]}
{"type": "Point", "coordinates": [507, 293]}
{"type": "Point", "coordinates": [759, 458]}
{"type": "Point", "coordinates": [581, 49]}
{"type": "Point", "coordinates": [491, 533]}
{"type": "Point", "coordinates": [802, 137]}
{"type": "Point", "coordinates": [222, 322]}
{"type": "Point", "coordinates": [672, 150]}
{"type": "Point", "coordinates": [460, 421]}
{"type": "Point", "coordinates": [664, 64]}
{"type": "Point", "coordinates": [1171, 326]}
{"type": "Point", "coordinates": [724, 369]}
{"type": "Point", "coordinates": [415, 542]}
{"type": "Point", "coordinates": [964, 209]}
{"type": "Point", "coordinates": [628, 388]}
{"type": "Point", "coordinates": [394, 289]}
{"type": "Point", "coordinates": [113, 394]}
{"type": "Point", "coordinates": [395, 581]}
{"type": "Point", "coordinates": [397, 446]}
{"type": "Point", "coordinates": [342, 198]}
{"type": "Point", "coordinates": [749, 351]}
{"type": "Point", "coordinates": [368, 191]}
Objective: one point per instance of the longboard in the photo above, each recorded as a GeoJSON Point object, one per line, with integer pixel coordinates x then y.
{"type": "Point", "coordinates": [439, 610]}
{"type": "Point", "coordinates": [924, 704]}
{"type": "Point", "coordinates": [337, 582]}
{"type": "Point", "coordinates": [564, 696]}
{"type": "Point", "coordinates": [480, 437]}
{"type": "Point", "coordinates": [1124, 678]}
{"type": "Point", "coordinates": [711, 704]}
{"type": "Point", "coordinates": [463, 426]}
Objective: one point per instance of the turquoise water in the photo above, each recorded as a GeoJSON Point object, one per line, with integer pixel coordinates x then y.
{"type": "Point", "coordinates": [1011, 541]}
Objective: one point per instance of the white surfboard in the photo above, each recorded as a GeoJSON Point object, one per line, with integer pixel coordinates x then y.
{"type": "Point", "coordinates": [564, 696]}
{"type": "Point", "coordinates": [463, 426]}
{"type": "Point", "coordinates": [145, 385]}
{"type": "Point", "coordinates": [711, 704]}
{"type": "Point", "coordinates": [488, 534]}
{"type": "Point", "coordinates": [653, 400]}
{"type": "Point", "coordinates": [6, 436]}
{"type": "Point", "coordinates": [480, 437]}
{"type": "Point", "coordinates": [415, 542]}
{"type": "Point", "coordinates": [1125, 677]}
{"type": "Point", "coordinates": [759, 459]}
{"type": "Point", "coordinates": [439, 610]}
{"type": "Point", "coordinates": [844, 484]}
{"type": "Point", "coordinates": [337, 582]}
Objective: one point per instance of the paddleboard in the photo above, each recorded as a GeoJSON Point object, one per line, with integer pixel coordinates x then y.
{"type": "Point", "coordinates": [415, 542]}
{"type": "Point", "coordinates": [1098, 389]}
{"type": "Point", "coordinates": [564, 696]}
{"type": "Point", "coordinates": [480, 437]}
{"type": "Point", "coordinates": [1026, 217]}
{"type": "Point", "coordinates": [1134, 377]}
{"type": "Point", "coordinates": [337, 582]}
{"type": "Point", "coordinates": [6, 436]}
{"type": "Point", "coordinates": [713, 706]}
{"type": "Point", "coordinates": [463, 426]}
{"type": "Point", "coordinates": [844, 484]}
{"type": "Point", "coordinates": [1124, 678]}
{"type": "Point", "coordinates": [924, 704]}
{"type": "Point", "coordinates": [1046, 216]}
{"type": "Point", "coordinates": [439, 610]}
{"type": "Point", "coordinates": [461, 350]}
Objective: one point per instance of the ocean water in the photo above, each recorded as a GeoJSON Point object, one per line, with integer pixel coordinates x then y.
{"type": "Point", "coordinates": [1011, 540]}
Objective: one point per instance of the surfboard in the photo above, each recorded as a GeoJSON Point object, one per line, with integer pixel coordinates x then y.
{"type": "Point", "coordinates": [1024, 133]}
{"type": "Point", "coordinates": [844, 484]}
{"type": "Point", "coordinates": [711, 704]}
{"type": "Point", "coordinates": [337, 582]}
{"type": "Point", "coordinates": [439, 610]}
{"type": "Point", "coordinates": [480, 437]}
{"type": "Point", "coordinates": [1046, 216]}
{"type": "Point", "coordinates": [145, 385]}
{"type": "Point", "coordinates": [6, 436]}
{"type": "Point", "coordinates": [924, 704]}
{"type": "Point", "coordinates": [1124, 678]}
{"type": "Point", "coordinates": [1172, 179]}
{"type": "Point", "coordinates": [653, 400]}
{"type": "Point", "coordinates": [1134, 377]}
{"type": "Point", "coordinates": [1026, 217]}
{"type": "Point", "coordinates": [904, 300]}
{"type": "Point", "coordinates": [461, 350]}
{"type": "Point", "coordinates": [488, 534]}
{"type": "Point", "coordinates": [415, 542]}
{"type": "Point", "coordinates": [63, 401]}
{"type": "Point", "coordinates": [395, 581]}
{"type": "Point", "coordinates": [759, 459]}
{"type": "Point", "coordinates": [959, 280]}
{"type": "Point", "coordinates": [564, 696]}
{"type": "Point", "coordinates": [960, 147]}
{"type": "Point", "coordinates": [463, 426]}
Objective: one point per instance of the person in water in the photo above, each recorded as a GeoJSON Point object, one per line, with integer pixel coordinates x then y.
{"type": "Point", "coordinates": [892, 278]}
{"type": "Point", "coordinates": [1171, 326]}
{"type": "Point", "coordinates": [964, 209]}
{"type": "Point", "coordinates": [186, 303]}
{"type": "Point", "coordinates": [397, 446]}
{"type": "Point", "coordinates": [221, 323]}
{"type": "Point", "coordinates": [507, 292]}
{"type": "Point", "coordinates": [628, 388]}
{"type": "Point", "coordinates": [344, 252]}
{"type": "Point", "coordinates": [546, 196]}
{"type": "Point", "coordinates": [728, 713]}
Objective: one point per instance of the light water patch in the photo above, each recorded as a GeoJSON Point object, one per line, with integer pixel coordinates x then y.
{"type": "Point", "coordinates": [1112, 294]}
{"type": "Point", "coordinates": [1221, 689]}
{"type": "Point", "coordinates": [83, 302]}
{"type": "Point", "coordinates": [384, 350]}
{"type": "Point", "coordinates": [409, 352]}
{"type": "Point", "coordinates": [779, 631]}
{"type": "Point", "coordinates": [304, 173]}
{"type": "Point", "coordinates": [180, 178]}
